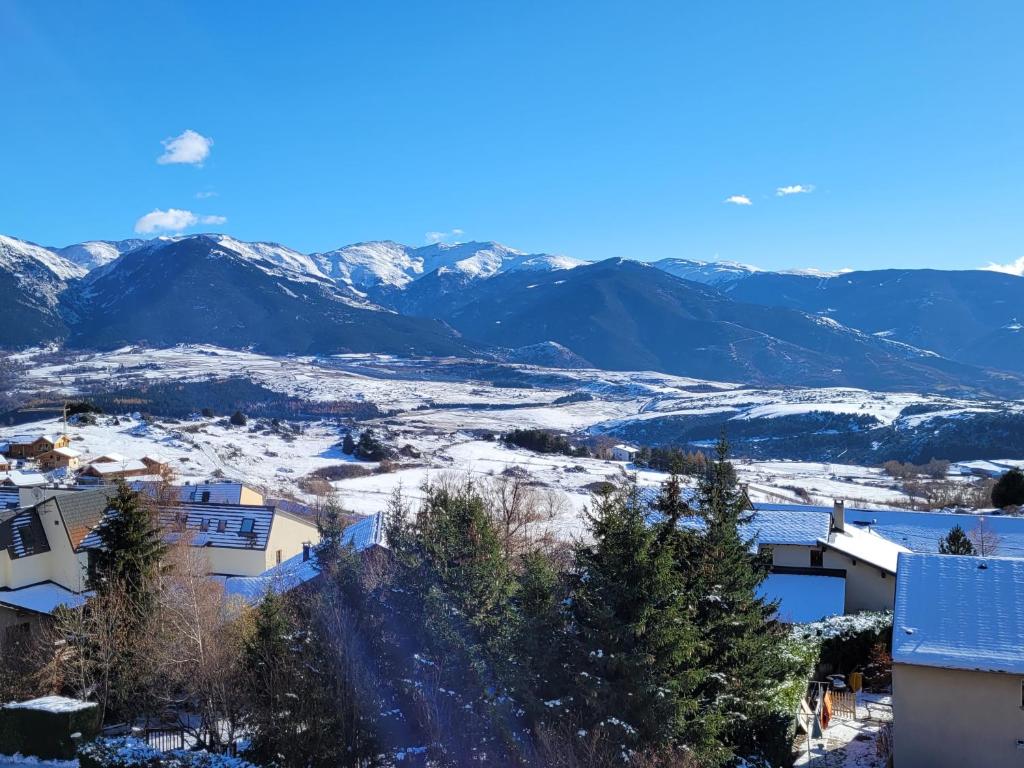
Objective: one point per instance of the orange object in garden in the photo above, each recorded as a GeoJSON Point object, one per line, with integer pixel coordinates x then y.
{"type": "Point", "coordinates": [826, 710]}
{"type": "Point", "coordinates": [856, 681]}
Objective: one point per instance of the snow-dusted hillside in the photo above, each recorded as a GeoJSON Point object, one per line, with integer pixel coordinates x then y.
{"type": "Point", "coordinates": [707, 272]}
{"type": "Point", "coordinates": [390, 264]}
{"type": "Point", "coordinates": [96, 253]}
{"type": "Point", "coordinates": [448, 410]}
{"type": "Point", "coordinates": [24, 260]}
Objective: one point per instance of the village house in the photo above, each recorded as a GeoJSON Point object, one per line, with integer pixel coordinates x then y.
{"type": "Point", "coordinates": [815, 542]}
{"type": "Point", "coordinates": [220, 492]}
{"type": "Point", "coordinates": [821, 566]}
{"type": "Point", "coordinates": [5, 465]}
{"type": "Point", "coordinates": [60, 458]}
{"type": "Point", "coordinates": [958, 662]}
{"type": "Point", "coordinates": [366, 536]}
{"type": "Point", "coordinates": [17, 478]}
{"type": "Point", "coordinates": [109, 471]}
{"type": "Point", "coordinates": [623, 452]}
{"type": "Point", "coordinates": [41, 565]}
{"type": "Point", "coordinates": [236, 540]}
{"type": "Point", "coordinates": [45, 547]}
{"type": "Point", "coordinates": [31, 446]}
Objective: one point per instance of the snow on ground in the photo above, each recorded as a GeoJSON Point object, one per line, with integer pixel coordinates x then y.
{"type": "Point", "coordinates": [850, 743]}
{"type": "Point", "coordinates": [443, 408]}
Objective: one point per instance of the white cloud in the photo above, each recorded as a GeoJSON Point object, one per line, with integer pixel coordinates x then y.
{"type": "Point", "coordinates": [190, 148]}
{"type": "Point", "coordinates": [172, 220]}
{"type": "Point", "coordinates": [205, 195]}
{"type": "Point", "coordinates": [738, 200]}
{"type": "Point", "coordinates": [794, 189]}
{"type": "Point", "coordinates": [1013, 268]}
{"type": "Point", "coordinates": [440, 237]}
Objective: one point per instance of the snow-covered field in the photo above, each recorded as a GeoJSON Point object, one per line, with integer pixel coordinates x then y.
{"type": "Point", "coordinates": [445, 409]}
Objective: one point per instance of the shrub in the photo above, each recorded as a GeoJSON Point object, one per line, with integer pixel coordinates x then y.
{"type": "Point", "coordinates": [45, 730]}
{"type": "Point", "coordinates": [1009, 489]}
{"type": "Point", "coordinates": [340, 472]}
{"type": "Point", "coordinates": [238, 419]}
{"type": "Point", "coordinates": [127, 752]}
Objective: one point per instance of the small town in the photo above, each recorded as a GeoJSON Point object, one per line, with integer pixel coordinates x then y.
{"type": "Point", "coordinates": [463, 384]}
{"type": "Point", "coordinates": [893, 645]}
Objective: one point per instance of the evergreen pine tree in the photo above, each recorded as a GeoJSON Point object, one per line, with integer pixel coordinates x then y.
{"type": "Point", "coordinates": [956, 542]}
{"type": "Point", "coordinates": [741, 637]}
{"type": "Point", "coordinates": [1009, 489]}
{"type": "Point", "coordinates": [636, 647]}
{"type": "Point", "coordinates": [131, 548]}
{"type": "Point", "coordinates": [540, 643]}
{"type": "Point", "coordinates": [238, 419]}
{"type": "Point", "coordinates": [348, 445]}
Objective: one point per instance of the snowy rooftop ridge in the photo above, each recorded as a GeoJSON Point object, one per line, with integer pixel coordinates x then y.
{"type": "Point", "coordinates": [959, 612]}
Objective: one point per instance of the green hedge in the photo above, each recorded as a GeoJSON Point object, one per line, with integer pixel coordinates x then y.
{"type": "Point", "coordinates": [46, 732]}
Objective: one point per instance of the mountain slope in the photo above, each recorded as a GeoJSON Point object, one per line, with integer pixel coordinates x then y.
{"type": "Point", "coordinates": [210, 288]}
{"type": "Point", "coordinates": [968, 315]}
{"type": "Point", "coordinates": [626, 315]}
{"type": "Point", "coordinates": [96, 253]}
{"type": "Point", "coordinates": [32, 280]}
{"type": "Point", "coordinates": [707, 272]}
{"type": "Point", "coordinates": [383, 267]}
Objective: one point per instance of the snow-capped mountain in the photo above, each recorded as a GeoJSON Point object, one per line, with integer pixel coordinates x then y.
{"type": "Point", "coordinates": [32, 280]}
{"type": "Point", "coordinates": [215, 289]}
{"type": "Point", "coordinates": [707, 272]}
{"type": "Point", "coordinates": [96, 253]}
{"type": "Point", "coordinates": [367, 265]}
{"type": "Point", "coordinates": [386, 264]}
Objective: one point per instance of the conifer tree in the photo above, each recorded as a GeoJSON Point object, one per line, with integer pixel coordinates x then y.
{"type": "Point", "coordinates": [1009, 489]}
{"type": "Point", "coordinates": [131, 548]}
{"type": "Point", "coordinates": [956, 542]}
{"type": "Point", "coordinates": [741, 637]}
{"type": "Point", "coordinates": [636, 646]}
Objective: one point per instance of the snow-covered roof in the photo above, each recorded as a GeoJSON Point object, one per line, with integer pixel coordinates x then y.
{"type": "Point", "coordinates": [219, 493]}
{"type": "Point", "coordinates": [22, 534]}
{"type": "Point", "coordinates": [296, 571]}
{"type": "Point", "coordinates": [867, 545]}
{"type": "Point", "coordinates": [921, 531]}
{"type": "Point", "coordinates": [804, 597]}
{"type": "Point", "coordinates": [624, 447]}
{"type": "Point", "coordinates": [52, 704]}
{"type": "Point", "coordinates": [117, 467]}
{"type": "Point", "coordinates": [45, 597]}
{"type": "Point", "coordinates": [20, 479]}
{"type": "Point", "coordinates": [109, 457]}
{"type": "Point", "coordinates": [799, 527]}
{"type": "Point", "coordinates": [228, 526]}
{"type": "Point", "coordinates": [70, 453]}
{"type": "Point", "coordinates": [51, 437]}
{"type": "Point", "coordinates": [959, 612]}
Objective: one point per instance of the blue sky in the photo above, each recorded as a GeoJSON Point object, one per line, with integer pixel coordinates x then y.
{"type": "Point", "coordinates": [586, 128]}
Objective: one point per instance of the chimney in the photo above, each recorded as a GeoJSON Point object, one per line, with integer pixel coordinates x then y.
{"type": "Point", "coordinates": [305, 552]}
{"type": "Point", "coordinates": [839, 515]}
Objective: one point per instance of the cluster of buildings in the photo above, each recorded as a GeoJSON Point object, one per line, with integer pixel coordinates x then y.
{"type": "Point", "coordinates": [250, 544]}
{"type": "Point", "coordinates": [25, 460]}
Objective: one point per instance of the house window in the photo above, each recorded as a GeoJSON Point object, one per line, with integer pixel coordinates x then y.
{"type": "Point", "coordinates": [204, 525]}
{"type": "Point", "coordinates": [222, 525]}
{"type": "Point", "coordinates": [247, 526]}
{"type": "Point", "coordinates": [817, 558]}
{"type": "Point", "coordinates": [206, 497]}
{"type": "Point", "coordinates": [277, 556]}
